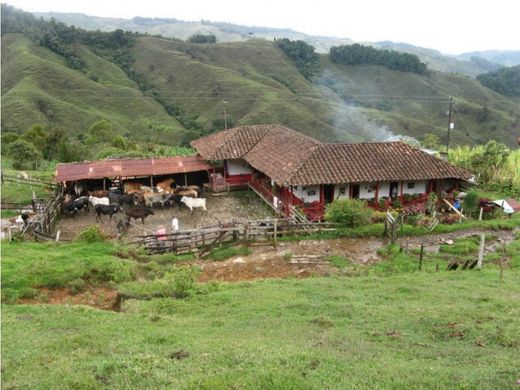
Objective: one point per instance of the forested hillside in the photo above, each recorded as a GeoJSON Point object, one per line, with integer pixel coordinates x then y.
{"type": "Point", "coordinates": [154, 89]}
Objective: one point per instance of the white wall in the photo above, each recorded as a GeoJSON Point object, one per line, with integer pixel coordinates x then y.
{"type": "Point", "coordinates": [238, 167]}
{"type": "Point", "coordinates": [367, 190]}
{"type": "Point", "coordinates": [337, 195]}
{"type": "Point", "coordinates": [419, 187]}
{"type": "Point", "coordinates": [384, 190]}
{"type": "Point", "coordinates": [303, 194]}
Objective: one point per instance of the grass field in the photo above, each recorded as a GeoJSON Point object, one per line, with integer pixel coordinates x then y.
{"type": "Point", "coordinates": [384, 326]}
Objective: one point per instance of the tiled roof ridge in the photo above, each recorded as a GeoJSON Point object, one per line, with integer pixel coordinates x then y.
{"type": "Point", "coordinates": [314, 149]}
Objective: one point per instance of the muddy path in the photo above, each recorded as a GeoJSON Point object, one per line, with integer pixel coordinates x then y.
{"type": "Point", "coordinates": [298, 259]}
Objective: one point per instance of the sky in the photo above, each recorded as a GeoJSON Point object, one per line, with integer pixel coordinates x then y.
{"type": "Point", "coordinates": [450, 26]}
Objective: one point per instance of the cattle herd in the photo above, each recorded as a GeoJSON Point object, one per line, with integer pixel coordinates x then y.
{"type": "Point", "coordinates": [134, 199]}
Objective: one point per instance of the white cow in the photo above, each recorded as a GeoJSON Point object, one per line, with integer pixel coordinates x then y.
{"type": "Point", "coordinates": [192, 203]}
{"type": "Point", "coordinates": [95, 201]}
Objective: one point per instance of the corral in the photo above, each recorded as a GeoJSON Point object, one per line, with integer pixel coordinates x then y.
{"type": "Point", "coordinates": [238, 206]}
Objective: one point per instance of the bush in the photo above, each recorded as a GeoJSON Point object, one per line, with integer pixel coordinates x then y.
{"type": "Point", "coordinates": [470, 202]}
{"type": "Point", "coordinates": [77, 285]}
{"type": "Point", "coordinates": [91, 234]}
{"type": "Point", "coordinates": [24, 155]}
{"type": "Point", "coordinates": [181, 280]}
{"type": "Point", "coordinates": [350, 212]}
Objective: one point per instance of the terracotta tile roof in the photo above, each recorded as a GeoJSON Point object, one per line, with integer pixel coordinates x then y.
{"type": "Point", "coordinates": [129, 168]}
{"type": "Point", "coordinates": [231, 143]}
{"type": "Point", "coordinates": [291, 158]}
{"type": "Point", "coordinates": [280, 153]}
{"type": "Point", "coordinates": [370, 162]}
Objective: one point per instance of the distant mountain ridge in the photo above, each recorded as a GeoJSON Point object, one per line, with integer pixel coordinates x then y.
{"type": "Point", "coordinates": [158, 89]}
{"type": "Point", "coordinates": [228, 32]}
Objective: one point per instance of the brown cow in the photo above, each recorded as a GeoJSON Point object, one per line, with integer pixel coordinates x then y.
{"type": "Point", "coordinates": [166, 185]}
{"type": "Point", "coordinates": [131, 187]}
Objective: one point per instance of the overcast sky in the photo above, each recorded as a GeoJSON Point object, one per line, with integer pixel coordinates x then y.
{"type": "Point", "coordinates": [451, 26]}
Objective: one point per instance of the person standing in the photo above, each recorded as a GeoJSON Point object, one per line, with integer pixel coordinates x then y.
{"type": "Point", "coordinates": [175, 225]}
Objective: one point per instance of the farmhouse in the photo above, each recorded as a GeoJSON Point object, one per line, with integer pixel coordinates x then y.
{"type": "Point", "coordinates": [289, 169]}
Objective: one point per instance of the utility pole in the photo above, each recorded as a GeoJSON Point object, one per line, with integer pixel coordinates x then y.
{"type": "Point", "coordinates": [450, 126]}
{"type": "Point", "coordinates": [225, 115]}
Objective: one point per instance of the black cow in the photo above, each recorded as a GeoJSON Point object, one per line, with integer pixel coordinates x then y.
{"type": "Point", "coordinates": [106, 210]}
{"type": "Point", "coordinates": [116, 197]}
{"type": "Point", "coordinates": [77, 204]}
{"type": "Point", "coordinates": [139, 212]}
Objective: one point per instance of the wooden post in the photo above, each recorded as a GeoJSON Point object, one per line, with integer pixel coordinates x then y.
{"type": "Point", "coordinates": [480, 214]}
{"type": "Point", "coordinates": [151, 181]}
{"type": "Point", "coordinates": [104, 185]}
{"type": "Point", "coordinates": [58, 235]}
{"type": "Point", "coordinates": [275, 232]}
{"type": "Point", "coordinates": [421, 257]}
{"type": "Point", "coordinates": [502, 263]}
{"type": "Point", "coordinates": [185, 179]}
{"type": "Point", "coordinates": [9, 234]}
{"type": "Point", "coordinates": [481, 251]}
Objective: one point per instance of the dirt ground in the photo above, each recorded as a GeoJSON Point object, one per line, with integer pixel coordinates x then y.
{"type": "Point", "coordinates": [100, 297]}
{"type": "Point", "coordinates": [224, 207]}
{"type": "Point", "coordinates": [296, 259]}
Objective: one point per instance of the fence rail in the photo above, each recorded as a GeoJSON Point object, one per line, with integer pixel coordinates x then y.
{"type": "Point", "coordinates": [203, 240]}
{"type": "Point", "coordinates": [29, 181]}
{"type": "Point", "coordinates": [41, 225]}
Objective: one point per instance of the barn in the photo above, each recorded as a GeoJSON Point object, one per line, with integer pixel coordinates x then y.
{"type": "Point", "coordinates": [103, 174]}
{"type": "Point", "coordinates": [292, 171]}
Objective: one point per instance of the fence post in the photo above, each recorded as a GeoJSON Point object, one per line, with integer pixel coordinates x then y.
{"type": "Point", "coordinates": [421, 257]}
{"type": "Point", "coordinates": [481, 251]}
{"type": "Point", "coordinates": [275, 232]}
{"type": "Point", "coordinates": [480, 214]}
{"type": "Point", "coordinates": [58, 235]}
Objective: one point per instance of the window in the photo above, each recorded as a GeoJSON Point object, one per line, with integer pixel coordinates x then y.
{"type": "Point", "coordinates": [410, 185]}
{"type": "Point", "coordinates": [311, 193]}
{"type": "Point", "coordinates": [342, 190]}
{"type": "Point", "coordinates": [370, 187]}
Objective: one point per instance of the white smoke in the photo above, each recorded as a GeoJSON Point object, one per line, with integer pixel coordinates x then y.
{"type": "Point", "coordinates": [349, 120]}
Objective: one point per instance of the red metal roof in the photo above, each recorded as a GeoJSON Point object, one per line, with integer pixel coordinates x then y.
{"type": "Point", "coordinates": [129, 168]}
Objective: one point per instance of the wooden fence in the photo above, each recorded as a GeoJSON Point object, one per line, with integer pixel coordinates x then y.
{"type": "Point", "coordinates": [28, 181]}
{"type": "Point", "coordinates": [204, 240]}
{"type": "Point", "coordinates": [40, 226]}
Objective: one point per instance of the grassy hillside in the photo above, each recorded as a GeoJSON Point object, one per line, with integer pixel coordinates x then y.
{"type": "Point", "coordinates": [38, 87]}
{"type": "Point", "coordinates": [259, 85]}
{"type": "Point", "coordinates": [384, 326]}
{"type": "Point", "coordinates": [412, 104]}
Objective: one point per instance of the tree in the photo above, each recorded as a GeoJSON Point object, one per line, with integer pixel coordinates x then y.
{"type": "Point", "coordinates": [201, 38]}
{"type": "Point", "coordinates": [431, 141]}
{"type": "Point", "coordinates": [100, 132]}
{"type": "Point", "coordinates": [37, 136]}
{"type": "Point", "coordinates": [24, 155]}
{"type": "Point", "coordinates": [302, 54]}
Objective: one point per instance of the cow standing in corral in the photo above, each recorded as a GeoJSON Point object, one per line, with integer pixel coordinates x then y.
{"type": "Point", "coordinates": [151, 199]}
{"type": "Point", "coordinates": [139, 212]}
{"type": "Point", "coordinates": [166, 186]}
{"type": "Point", "coordinates": [106, 210]}
{"type": "Point", "coordinates": [94, 201]}
{"type": "Point", "coordinates": [77, 204]}
{"type": "Point", "coordinates": [192, 203]}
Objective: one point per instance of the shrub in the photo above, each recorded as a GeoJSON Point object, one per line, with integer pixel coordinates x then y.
{"type": "Point", "coordinates": [350, 212]}
{"type": "Point", "coordinates": [470, 202]}
{"type": "Point", "coordinates": [9, 295]}
{"type": "Point", "coordinates": [431, 202]}
{"type": "Point", "coordinates": [91, 234]}
{"type": "Point", "coordinates": [77, 285]}
{"type": "Point", "coordinates": [181, 280]}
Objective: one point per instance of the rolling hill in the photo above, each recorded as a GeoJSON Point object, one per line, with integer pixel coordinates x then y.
{"type": "Point", "coordinates": [186, 89]}
{"type": "Point", "coordinates": [470, 64]}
